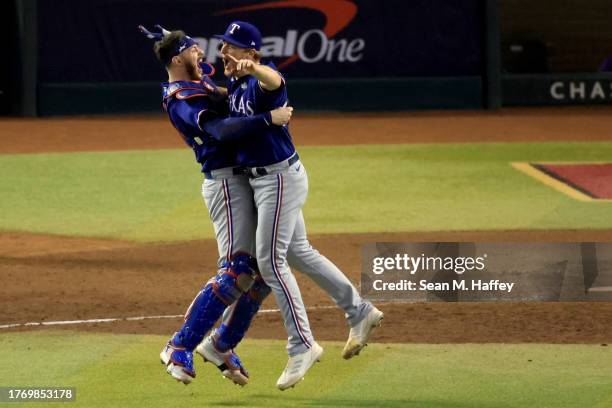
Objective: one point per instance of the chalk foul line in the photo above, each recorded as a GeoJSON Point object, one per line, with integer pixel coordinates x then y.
{"type": "Point", "coordinates": [126, 319]}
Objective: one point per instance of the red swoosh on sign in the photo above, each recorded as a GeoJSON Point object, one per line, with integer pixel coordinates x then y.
{"type": "Point", "coordinates": [338, 14]}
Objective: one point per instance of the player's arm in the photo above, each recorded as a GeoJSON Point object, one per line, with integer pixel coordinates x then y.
{"type": "Point", "coordinates": [202, 120]}
{"type": "Point", "coordinates": [197, 115]}
{"type": "Point", "coordinates": [269, 79]}
{"type": "Point", "coordinates": [231, 129]}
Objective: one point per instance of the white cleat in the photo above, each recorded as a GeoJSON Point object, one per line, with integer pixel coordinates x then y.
{"type": "Point", "coordinates": [360, 334]}
{"type": "Point", "coordinates": [298, 365]}
{"type": "Point", "coordinates": [227, 362]}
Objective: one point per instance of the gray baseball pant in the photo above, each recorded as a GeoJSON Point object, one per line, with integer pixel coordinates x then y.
{"type": "Point", "coordinates": [230, 204]}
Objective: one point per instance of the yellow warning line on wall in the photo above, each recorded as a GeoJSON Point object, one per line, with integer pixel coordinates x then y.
{"type": "Point", "coordinates": [551, 181]}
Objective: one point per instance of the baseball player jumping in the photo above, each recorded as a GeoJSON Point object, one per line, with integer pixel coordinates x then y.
{"type": "Point", "coordinates": [198, 110]}
{"type": "Point", "coordinates": [280, 187]}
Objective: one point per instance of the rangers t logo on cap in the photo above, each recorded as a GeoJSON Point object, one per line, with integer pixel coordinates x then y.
{"type": "Point", "coordinates": [233, 28]}
{"type": "Point", "coordinates": [242, 34]}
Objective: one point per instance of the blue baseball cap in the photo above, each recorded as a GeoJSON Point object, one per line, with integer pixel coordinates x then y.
{"type": "Point", "coordinates": [242, 34]}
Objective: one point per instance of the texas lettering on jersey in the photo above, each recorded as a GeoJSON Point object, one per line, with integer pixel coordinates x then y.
{"type": "Point", "coordinates": [239, 106]}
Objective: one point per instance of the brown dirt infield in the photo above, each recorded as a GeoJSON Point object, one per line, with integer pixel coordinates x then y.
{"type": "Point", "coordinates": [155, 132]}
{"type": "Point", "coordinates": [48, 278]}
{"type": "Point", "coordinates": [68, 278]}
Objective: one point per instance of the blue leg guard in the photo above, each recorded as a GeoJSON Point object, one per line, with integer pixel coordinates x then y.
{"type": "Point", "coordinates": [229, 334]}
{"type": "Point", "coordinates": [221, 291]}
{"type": "Point", "coordinates": [201, 316]}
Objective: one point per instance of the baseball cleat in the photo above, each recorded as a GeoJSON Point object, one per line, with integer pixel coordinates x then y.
{"type": "Point", "coordinates": [360, 334]}
{"type": "Point", "coordinates": [178, 362]}
{"type": "Point", "coordinates": [298, 365]}
{"type": "Point", "coordinates": [227, 362]}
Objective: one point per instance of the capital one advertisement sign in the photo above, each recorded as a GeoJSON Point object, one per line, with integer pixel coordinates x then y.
{"type": "Point", "coordinates": [304, 38]}
{"type": "Point", "coordinates": [311, 45]}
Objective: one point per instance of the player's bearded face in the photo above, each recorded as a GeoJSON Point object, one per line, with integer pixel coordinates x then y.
{"type": "Point", "coordinates": [194, 56]}
{"type": "Point", "coordinates": [193, 70]}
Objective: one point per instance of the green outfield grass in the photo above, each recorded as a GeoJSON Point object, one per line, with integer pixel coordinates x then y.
{"type": "Point", "coordinates": [154, 195]}
{"type": "Point", "coordinates": [123, 370]}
